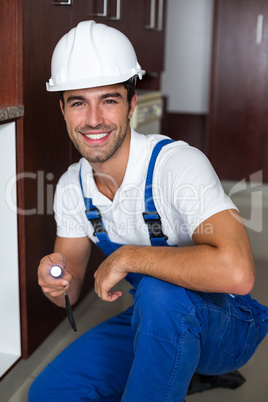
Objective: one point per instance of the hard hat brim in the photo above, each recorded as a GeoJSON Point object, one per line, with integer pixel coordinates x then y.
{"type": "Point", "coordinates": [90, 83]}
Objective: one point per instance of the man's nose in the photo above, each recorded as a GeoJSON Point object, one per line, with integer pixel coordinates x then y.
{"type": "Point", "coordinates": [94, 116]}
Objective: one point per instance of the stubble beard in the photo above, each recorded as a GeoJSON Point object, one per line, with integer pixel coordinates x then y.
{"type": "Point", "coordinates": [98, 154]}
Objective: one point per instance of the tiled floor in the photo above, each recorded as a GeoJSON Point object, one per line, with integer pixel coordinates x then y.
{"type": "Point", "coordinates": [255, 371]}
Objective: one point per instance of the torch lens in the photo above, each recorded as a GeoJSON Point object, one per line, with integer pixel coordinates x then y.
{"type": "Point", "coordinates": [56, 271]}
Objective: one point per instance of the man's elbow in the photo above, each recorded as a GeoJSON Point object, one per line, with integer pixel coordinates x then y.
{"type": "Point", "coordinates": [243, 278]}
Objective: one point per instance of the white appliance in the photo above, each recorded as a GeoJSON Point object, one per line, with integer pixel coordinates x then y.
{"type": "Point", "coordinates": [148, 113]}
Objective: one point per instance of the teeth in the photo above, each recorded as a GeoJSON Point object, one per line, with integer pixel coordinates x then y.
{"type": "Point", "coordinates": [96, 136]}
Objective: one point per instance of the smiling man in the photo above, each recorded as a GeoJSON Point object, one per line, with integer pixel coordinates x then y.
{"type": "Point", "coordinates": [98, 138]}
{"type": "Point", "coordinates": [158, 211]}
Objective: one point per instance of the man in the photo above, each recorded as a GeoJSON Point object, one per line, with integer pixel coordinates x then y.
{"type": "Point", "coordinates": [158, 211]}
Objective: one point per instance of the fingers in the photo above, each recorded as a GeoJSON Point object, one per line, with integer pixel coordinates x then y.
{"type": "Point", "coordinates": [108, 295]}
{"type": "Point", "coordinates": [53, 287]}
{"type": "Point", "coordinates": [112, 296]}
{"type": "Point", "coordinates": [105, 279]}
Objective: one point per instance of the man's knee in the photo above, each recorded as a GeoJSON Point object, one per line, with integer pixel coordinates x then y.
{"type": "Point", "coordinates": [50, 386]}
{"type": "Point", "coordinates": [159, 307]}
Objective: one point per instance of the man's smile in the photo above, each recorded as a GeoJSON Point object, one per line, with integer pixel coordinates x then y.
{"type": "Point", "coordinates": [96, 136]}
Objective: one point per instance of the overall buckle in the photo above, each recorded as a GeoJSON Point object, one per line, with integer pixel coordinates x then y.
{"type": "Point", "coordinates": [153, 221]}
{"type": "Point", "coordinates": [96, 223]}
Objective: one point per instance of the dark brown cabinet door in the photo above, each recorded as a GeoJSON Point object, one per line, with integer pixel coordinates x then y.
{"type": "Point", "coordinates": [147, 33]}
{"type": "Point", "coordinates": [42, 159]}
{"type": "Point", "coordinates": [45, 154]}
{"type": "Point", "coordinates": [237, 127]}
{"type": "Point", "coordinates": [142, 21]}
{"type": "Point", "coordinates": [110, 12]}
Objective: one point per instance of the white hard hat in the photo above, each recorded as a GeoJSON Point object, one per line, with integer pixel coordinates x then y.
{"type": "Point", "coordinates": [92, 55]}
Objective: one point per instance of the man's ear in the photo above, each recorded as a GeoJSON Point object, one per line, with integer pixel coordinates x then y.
{"type": "Point", "coordinates": [132, 105]}
{"type": "Point", "coordinates": [62, 107]}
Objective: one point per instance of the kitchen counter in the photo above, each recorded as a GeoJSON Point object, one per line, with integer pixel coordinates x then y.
{"type": "Point", "coordinates": [11, 112]}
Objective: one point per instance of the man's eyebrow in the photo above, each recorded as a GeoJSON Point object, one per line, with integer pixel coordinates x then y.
{"type": "Point", "coordinates": [73, 98]}
{"type": "Point", "coordinates": [111, 95]}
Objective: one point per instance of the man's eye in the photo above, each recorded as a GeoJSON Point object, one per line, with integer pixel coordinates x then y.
{"type": "Point", "coordinates": [76, 104]}
{"type": "Point", "coordinates": [110, 101]}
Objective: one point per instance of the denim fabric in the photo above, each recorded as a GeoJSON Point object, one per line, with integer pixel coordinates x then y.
{"type": "Point", "coordinates": [151, 351]}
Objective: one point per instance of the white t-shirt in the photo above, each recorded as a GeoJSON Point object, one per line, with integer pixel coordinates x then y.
{"type": "Point", "coordinates": [186, 191]}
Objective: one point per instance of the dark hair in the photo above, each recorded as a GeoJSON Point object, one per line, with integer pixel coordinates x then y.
{"type": "Point", "coordinates": [130, 86]}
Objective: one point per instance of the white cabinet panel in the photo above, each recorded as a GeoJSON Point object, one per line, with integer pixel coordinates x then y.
{"type": "Point", "coordinates": [10, 341]}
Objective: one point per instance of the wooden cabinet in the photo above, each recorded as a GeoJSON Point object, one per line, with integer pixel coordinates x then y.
{"type": "Point", "coordinates": [47, 152]}
{"type": "Point", "coordinates": [42, 158]}
{"type": "Point", "coordinates": [11, 52]}
{"type": "Point", "coordinates": [237, 126]}
{"type": "Point", "coordinates": [142, 21]}
{"type": "Point", "coordinates": [147, 33]}
{"type": "Point", "coordinates": [31, 30]}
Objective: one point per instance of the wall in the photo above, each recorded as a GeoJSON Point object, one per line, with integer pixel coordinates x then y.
{"type": "Point", "coordinates": [187, 55]}
{"type": "Point", "coordinates": [251, 198]}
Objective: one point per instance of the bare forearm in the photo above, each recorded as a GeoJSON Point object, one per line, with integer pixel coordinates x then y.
{"type": "Point", "coordinates": [201, 267]}
{"type": "Point", "coordinates": [181, 267]}
{"type": "Point", "coordinates": [219, 261]}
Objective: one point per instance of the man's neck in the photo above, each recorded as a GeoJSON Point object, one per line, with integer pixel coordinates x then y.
{"type": "Point", "coordinates": [109, 175]}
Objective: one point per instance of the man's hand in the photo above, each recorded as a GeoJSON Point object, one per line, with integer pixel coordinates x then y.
{"type": "Point", "coordinates": [53, 287]}
{"type": "Point", "coordinates": [111, 271]}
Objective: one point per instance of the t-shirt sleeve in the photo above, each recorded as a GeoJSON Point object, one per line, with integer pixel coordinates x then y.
{"type": "Point", "coordinates": [196, 191]}
{"type": "Point", "coordinates": [69, 208]}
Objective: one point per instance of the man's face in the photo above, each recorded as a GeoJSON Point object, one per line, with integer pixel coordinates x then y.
{"type": "Point", "coordinates": [97, 120]}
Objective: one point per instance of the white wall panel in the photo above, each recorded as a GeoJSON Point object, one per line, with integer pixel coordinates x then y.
{"type": "Point", "coordinates": [10, 341]}
{"type": "Point", "coordinates": [187, 55]}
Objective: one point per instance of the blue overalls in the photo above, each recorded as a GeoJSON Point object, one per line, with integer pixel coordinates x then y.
{"type": "Point", "coordinates": [150, 352]}
{"type": "Point", "coordinates": [151, 217]}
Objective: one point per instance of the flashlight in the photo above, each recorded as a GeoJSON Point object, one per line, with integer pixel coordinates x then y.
{"type": "Point", "coordinates": [56, 271]}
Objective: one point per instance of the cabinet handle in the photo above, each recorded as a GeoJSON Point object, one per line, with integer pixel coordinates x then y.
{"type": "Point", "coordinates": [64, 3]}
{"type": "Point", "coordinates": [118, 11]}
{"type": "Point", "coordinates": [152, 16]}
{"type": "Point", "coordinates": [160, 15]}
{"type": "Point", "coordinates": [105, 9]}
{"type": "Point", "coordinates": [259, 29]}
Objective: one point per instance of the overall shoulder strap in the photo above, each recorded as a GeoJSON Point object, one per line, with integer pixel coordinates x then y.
{"type": "Point", "coordinates": [151, 216]}
{"type": "Point", "coordinates": [94, 216]}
